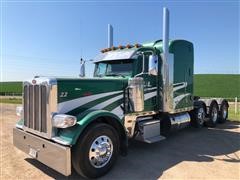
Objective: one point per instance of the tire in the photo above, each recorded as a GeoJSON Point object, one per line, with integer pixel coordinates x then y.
{"type": "Point", "coordinates": [223, 113]}
{"type": "Point", "coordinates": [213, 114]}
{"type": "Point", "coordinates": [198, 116]}
{"type": "Point", "coordinates": [87, 159]}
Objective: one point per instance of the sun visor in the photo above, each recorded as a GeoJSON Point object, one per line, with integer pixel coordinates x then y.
{"type": "Point", "coordinates": [115, 55]}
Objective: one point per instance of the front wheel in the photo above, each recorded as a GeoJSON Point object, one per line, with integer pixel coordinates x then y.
{"type": "Point", "coordinates": [96, 151]}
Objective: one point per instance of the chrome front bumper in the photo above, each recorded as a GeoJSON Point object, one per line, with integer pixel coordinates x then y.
{"type": "Point", "coordinates": [56, 156]}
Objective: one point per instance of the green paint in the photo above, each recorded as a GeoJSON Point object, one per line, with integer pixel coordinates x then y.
{"type": "Point", "coordinates": [183, 66]}
{"type": "Point", "coordinates": [71, 134]}
{"type": "Point", "coordinates": [77, 88]}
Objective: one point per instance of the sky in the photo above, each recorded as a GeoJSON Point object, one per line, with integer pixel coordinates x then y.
{"type": "Point", "coordinates": [49, 37]}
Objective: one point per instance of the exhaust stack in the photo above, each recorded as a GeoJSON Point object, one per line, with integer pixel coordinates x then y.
{"type": "Point", "coordinates": [167, 67]}
{"type": "Point", "coordinates": [165, 30]}
{"type": "Point", "coordinates": [110, 36]}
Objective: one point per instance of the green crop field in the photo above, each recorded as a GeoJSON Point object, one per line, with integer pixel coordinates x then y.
{"type": "Point", "coordinates": [217, 85]}
{"type": "Point", "coordinates": [205, 85]}
{"type": "Point", "coordinates": [10, 87]}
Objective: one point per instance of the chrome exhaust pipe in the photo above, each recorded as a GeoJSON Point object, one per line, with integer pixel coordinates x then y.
{"type": "Point", "coordinates": [167, 67]}
{"type": "Point", "coordinates": [110, 36]}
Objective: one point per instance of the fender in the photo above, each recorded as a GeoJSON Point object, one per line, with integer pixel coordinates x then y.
{"type": "Point", "coordinates": [72, 134]}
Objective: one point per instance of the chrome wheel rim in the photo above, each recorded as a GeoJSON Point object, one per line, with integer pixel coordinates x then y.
{"type": "Point", "coordinates": [201, 115]}
{"type": "Point", "coordinates": [214, 114]}
{"type": "Point", "coordinates": [224, 112]}
{"type": "Point", "coordinates": [100, 151]}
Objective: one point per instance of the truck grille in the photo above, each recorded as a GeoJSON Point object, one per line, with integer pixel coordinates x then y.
{"type": "Point", "coordinates": [35, 107]}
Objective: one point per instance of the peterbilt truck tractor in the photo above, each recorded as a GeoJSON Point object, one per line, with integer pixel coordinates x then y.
{"type": "Point", "coordinates": [142, 92]}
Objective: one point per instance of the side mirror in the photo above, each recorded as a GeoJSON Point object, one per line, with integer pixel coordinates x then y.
{"type": "Point", "coordinates": [82, 68]}
{"type": "Point", "coordinates": [153, 65]}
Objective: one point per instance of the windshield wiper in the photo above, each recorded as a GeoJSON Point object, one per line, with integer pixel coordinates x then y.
{"type": "Point", "coordinates": [114, 74]}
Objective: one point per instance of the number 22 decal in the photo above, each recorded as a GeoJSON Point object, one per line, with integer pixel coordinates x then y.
{"type": "Point", "coordinates": [63, 94]}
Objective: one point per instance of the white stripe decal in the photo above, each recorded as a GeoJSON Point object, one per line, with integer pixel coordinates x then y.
{"type": "Point", "coordinates": [179, 98]}
{"type": "Point", "coordinates": [72, 104]}
{"type": "Point", "coordinates": [106, 103]}
{"type": "Point", "coordinates": [148, 89]}
{"type": "Point", "coordinates": [150, 95]}
{"type": "Point", "coordinates": [182, 85]}
{"type": "Point", "coordinates": [118, 111]}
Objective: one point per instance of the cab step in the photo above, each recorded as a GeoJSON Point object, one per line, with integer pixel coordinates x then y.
{"type": "Point", "coordinates": [154, 139]}
{"type": "Point", "coordinates": [149, 131]}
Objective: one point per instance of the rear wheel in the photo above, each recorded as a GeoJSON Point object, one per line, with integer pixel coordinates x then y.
{"type": "Point", "coordinates": [213, 114]}
{"type": "Point", "coordinates": [198, 116]}
{"type": "Point", "coordinates": [223, 113]}
{"type": "Point", "coordinates": [96, 151]}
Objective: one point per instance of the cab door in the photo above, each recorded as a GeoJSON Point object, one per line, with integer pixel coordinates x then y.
{"type": "Point", "coordinates": [150, 81]}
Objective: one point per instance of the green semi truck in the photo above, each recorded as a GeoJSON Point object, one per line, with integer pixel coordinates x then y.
{"type": "Point", "coordinates": [141, 91]}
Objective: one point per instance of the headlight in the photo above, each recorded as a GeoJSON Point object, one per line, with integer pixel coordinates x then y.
{"type": "Point", "coordinates": [19, 111]}
{"type": "Point", "coordinates": [63, 120]}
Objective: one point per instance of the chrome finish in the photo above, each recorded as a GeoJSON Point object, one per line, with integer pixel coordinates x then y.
{"type": "Point", "coordinates": [20, 126]}
{"type": "Point", "coordinates": [100, 151]}
{"type": "Point", "coordinates": [39, 102]}
{"type": "Point", "coordinates": [180, 120]}
{"type": "Point", "coordinates": [82, 68]}
{"type": "Point", "coordinates": [153, 65]}
{"type": "Point", "coordinates": [201, 115]}
{"type": "Point", "coordinates": [60, 140]}
{"type": "Point", "coordinates": [149, 131]}
{"type": "Point", "coordinates": [167, 75]}
{"type": "Point", "coordinates": [110, 36]}
{"type": "Point", "coordinates": [165, 30]}
{"type": "Point", "coordinates": [131, 119]}
{"type": "Point", "coordinates": [225, 111]}
{"type": "Point", "coordinates": [55, 156]}
{"type": "Point", "coordinates": [143, 61]}
{"type": "Point", "coordinates": [214, 114]}
{"type": "Point", "coordinates": [167, 67]}
{"type": "Point", "coordinates": [136, 94]}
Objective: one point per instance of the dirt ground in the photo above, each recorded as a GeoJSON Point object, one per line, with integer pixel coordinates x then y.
{"type": "Point", "coordinates": [208, 153]}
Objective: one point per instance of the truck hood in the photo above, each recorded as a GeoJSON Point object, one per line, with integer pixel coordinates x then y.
{"type": "Point", "coordinates": [78, 95]}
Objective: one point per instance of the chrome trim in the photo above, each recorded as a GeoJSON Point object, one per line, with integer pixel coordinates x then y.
{"type": "Point", "coordinates": [101, 151]}
{"type": "Point", "coordinates": [136, 94]}
{"type": "Point", "coordinates": [60, 141]}
{"type": "Point", "coordinates": [131, 119]}
{"type": "Point", "coordinates": [178, 119]}
{"type": "Point", "coordinates": [110, 36]}
{"type": "Point", "coordinates": [167, 67]}
{"type": "Point", "coordinates": [51, 105]}
{"type": "Point", "coordinates": [19, 126]}
{"type": "Point", "coordinates": [56, 156]}
{"type": "Point", "coordinates": [214, 114]}
{"type": "Point", "coordinates": [167, 76]}
{"type": "Point", "coordinates": [165, 29]}
{"type": "Point", "coordinates": [184, 109]}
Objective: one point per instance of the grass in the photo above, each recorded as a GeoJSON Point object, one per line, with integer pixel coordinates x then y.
{"type": "Point", "coordinates": [11, 100]}
{"type": "Point", "coordinates": [10, 87]}
{"type": "Point", "coordinates": [217, 85]}
{"type": "Point", "coordinates": [231, 113]}
{"type": "Point", "coordinates": [205, 85]}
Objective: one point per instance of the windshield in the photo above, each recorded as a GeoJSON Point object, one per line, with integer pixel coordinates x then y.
{"type": "Point", "coordinates": [114, 68]}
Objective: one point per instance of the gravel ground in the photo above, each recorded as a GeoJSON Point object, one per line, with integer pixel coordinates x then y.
{"type": "Point", "coordinates": [208, 153]}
